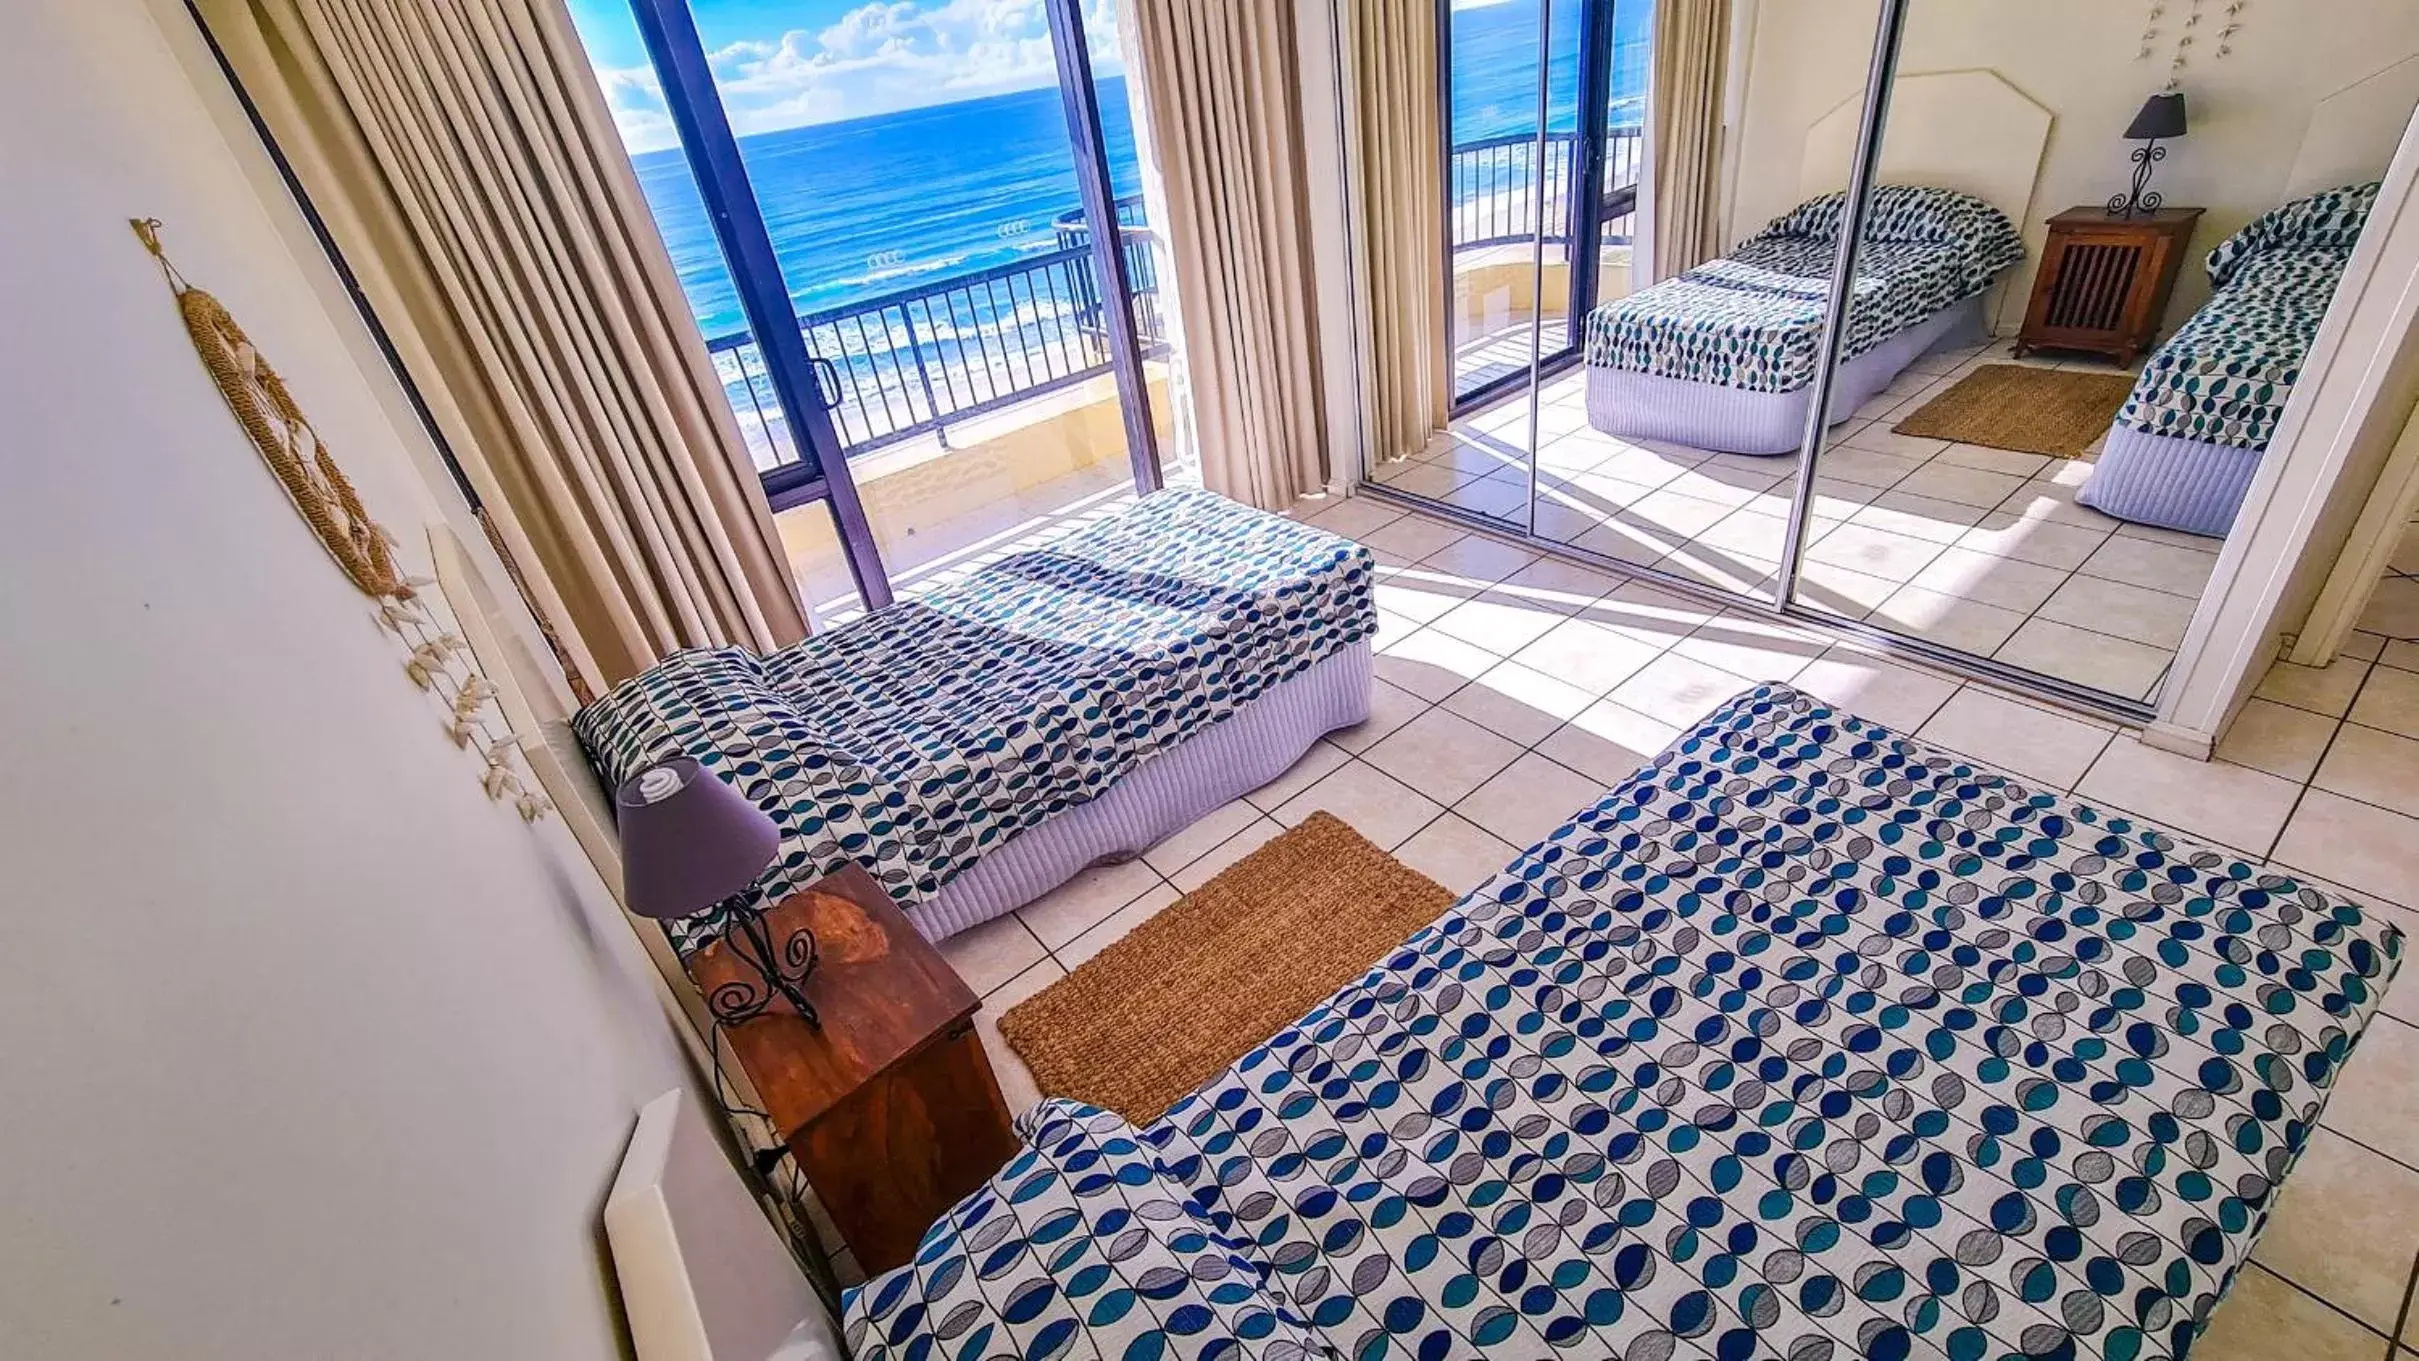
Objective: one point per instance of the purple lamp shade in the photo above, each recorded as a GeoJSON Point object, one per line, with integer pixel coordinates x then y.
{"type": "Point", "coordinates": [2161, 118]}
{"type": "Point", "coordinates": [688, 840]}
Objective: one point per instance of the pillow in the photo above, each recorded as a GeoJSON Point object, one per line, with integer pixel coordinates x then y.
{"type": "Point", "coordinates": [2330, 219]}
{"type": "Point", "coordinates": [712, 703]}
{"type": "Point", "coordinates": [1904, 212]}
{"type": "Point", "coordinates": [1083, 1245]}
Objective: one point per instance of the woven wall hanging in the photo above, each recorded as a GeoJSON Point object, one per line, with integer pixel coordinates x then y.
{"type": "Point", "coordinates": [436, 659]}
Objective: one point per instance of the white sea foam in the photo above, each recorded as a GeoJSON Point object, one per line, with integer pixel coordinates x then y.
{"type": "Point", "coordinates": [885, 273]}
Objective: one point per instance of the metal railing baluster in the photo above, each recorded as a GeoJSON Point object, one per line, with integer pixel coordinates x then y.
{"type": "Point", "coordinates": [1019, 330]}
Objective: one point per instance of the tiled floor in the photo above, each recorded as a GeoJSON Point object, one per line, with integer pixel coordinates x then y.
{"type": "Point", "coordinates": [1488, 355]}
{"type": "Point", "coordinates": [1979, 549]}
{"type": "Point", "coordinates": [1514, 689]}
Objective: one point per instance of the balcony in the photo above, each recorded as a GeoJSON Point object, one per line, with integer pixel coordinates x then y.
{"type": "Point", "coordinates": [915, 362]}
{"type": "Point", "coordinates": [1502, 236]}
{"type": "Point", "coordinates": [980, 411]}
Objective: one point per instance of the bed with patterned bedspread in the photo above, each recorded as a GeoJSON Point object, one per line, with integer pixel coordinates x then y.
{"type": "Point", "coordinates": [1745, 326]}
{"type": "Point", "coordinates": [2188, 439]}
{"type": "Point", "coordinates": [1807, 1041]}
{"type": "Point", "coordinates": [923, 737]}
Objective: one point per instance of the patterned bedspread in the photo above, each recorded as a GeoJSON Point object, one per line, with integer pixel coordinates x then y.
{"type": "Point", "coordinates": [1808, 1041]}
{"type": "Point", "coordinates": [915, 740]}
{"type": "Point", "coordinates": [1753, 319]}
{"type": "Point", "coordinates": [2224, 375]}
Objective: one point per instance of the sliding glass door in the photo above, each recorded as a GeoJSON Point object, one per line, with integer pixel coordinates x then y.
{"type": "Point", "coordinates": [1494, 92]}
{"type": "Point", "coordinates": [1538, 163]}
{"type": "Point", "coordinates": [1537, 156]}
{"type": "Point", "coordinates": [914, 240]}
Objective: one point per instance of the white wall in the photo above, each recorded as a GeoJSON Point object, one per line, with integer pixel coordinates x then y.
{"type": "Point", "coordinates": [2249, 111]}
{"type": "Point", "coordinates": [312, 1051]}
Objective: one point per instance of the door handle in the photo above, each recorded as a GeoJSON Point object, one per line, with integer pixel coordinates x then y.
{"type": "Point", "coordinates": [827, 381]}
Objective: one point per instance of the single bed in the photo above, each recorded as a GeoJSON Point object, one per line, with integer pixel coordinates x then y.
{"type": "Point", "coordinates": [1807, 1041]}
{"type": "Point", "coordinates": [1723, 356]}
{"type": "Point", "coordinates": [977, 746]}
{"type": "Point", "coordinates": [2188, 440]}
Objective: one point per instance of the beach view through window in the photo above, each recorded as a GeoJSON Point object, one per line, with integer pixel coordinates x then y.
{"type": "Point", "coordinates": [912, 164]}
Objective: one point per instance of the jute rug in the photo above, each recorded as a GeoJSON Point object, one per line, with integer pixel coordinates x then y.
{"type": "Point", "coordinates": [1188, 992]}
{"type": "Point", "coordinates": [2018, 406]}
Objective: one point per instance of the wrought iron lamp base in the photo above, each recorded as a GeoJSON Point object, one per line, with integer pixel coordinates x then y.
{"type": "Point", "coordinates": [780, 974]}
{"type": "Point", "coordinates": [2135, 202]}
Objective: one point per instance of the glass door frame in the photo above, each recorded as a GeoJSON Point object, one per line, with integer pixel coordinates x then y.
{"type": "Point", "coordinates": [821, 472]}
{"type": "Point", "coordinates": [1587, 207]}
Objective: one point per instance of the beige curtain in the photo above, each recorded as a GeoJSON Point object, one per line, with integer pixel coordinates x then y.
{"type": "Point", "coordinates": [465, 163]}
{"type": "Point", "coordinates": [1219, 85]}
{"type": "Point", "coordinates": [1396, 153]}
{"type": "Point", "coordinates": [1692, 48]}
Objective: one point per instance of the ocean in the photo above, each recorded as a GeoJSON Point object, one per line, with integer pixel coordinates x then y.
{"type": "Point", "coordinates": [870, 206]}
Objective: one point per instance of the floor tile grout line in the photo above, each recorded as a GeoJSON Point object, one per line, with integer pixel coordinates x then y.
{"type": "Point", "coordinates": [1048, 957]}
{"type": "Point", "coordinates": [1582, 609]}
{"type": "Point", "coordinates": [2264, 855]}
{"type": "Point", "coordinates": [2365, 1146]}
{"type": "Point", "coordinates": [2302, 786]}
{"type": "Point", "coordinates": [2329, 1305]}
{"type": "Point", "coordinates": [2302, 795]}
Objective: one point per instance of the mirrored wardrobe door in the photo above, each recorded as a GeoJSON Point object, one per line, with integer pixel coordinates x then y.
{"type": "Point", "coordinates": [1697, 354]}
{"type": "Point", "coordinates": [2069, 354]}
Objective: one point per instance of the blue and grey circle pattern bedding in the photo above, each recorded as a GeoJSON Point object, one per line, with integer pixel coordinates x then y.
{"type": "Point", "coordinates": [2224, 375]}
{"type": "Point", "coordinates": [1808, 1041]}
{"type": "Point", "coordinates": [1753, 319]}
{"type": "Point", "coordinates": [917, 739]}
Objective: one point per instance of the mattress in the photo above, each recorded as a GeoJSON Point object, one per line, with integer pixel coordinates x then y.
{"type": "Point", "coordinates": [920, 738]}
{"type": "Point", "coordinates": [2223, 377]}
{"type": "Point", "coordinates": [1752, 319]}
{"type": "Point", "coordinates": [2169, 481]}
{"type": "Point", "coordinates": [2186, 444]}
{"type": "Point", "coordinates": [1806, 1041]}
{"type": "Point", "coordinates": [1161, 796]}
{"type": "Point", "coordinates": [1734, 420]}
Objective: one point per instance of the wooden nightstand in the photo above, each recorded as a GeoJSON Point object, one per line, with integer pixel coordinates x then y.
{"type": "Point", "coordinates": [2104, 281]}
{"type": "Point", "coordinates": [890, 1109]}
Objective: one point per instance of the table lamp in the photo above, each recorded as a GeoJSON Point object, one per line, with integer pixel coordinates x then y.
{"type": "Point", "coordinates": [692, 844]}
{"type": "Point", "coordinates": [2161, 118]}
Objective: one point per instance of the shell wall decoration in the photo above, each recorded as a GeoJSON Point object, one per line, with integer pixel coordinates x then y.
{"type": "Point", "coordinates": [2181, 22]}
{"type": "Point", "coordinates": [436, 659]}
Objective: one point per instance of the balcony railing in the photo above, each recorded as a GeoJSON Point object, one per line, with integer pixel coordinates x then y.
{"type": "Point", "coordinates": [1489, 184]}
{"type": "Point", "coordinates": [912, 362]}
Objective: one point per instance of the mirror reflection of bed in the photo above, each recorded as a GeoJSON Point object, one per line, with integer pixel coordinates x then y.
{"type": "Point", "coordinates": [2061, 496]}
{"type": "Point", "coordinates": [2018, 492]}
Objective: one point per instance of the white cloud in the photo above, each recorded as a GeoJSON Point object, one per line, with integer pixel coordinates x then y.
{"type": "Point", "coordinates": [637, 101]}
{"type": "Point", "coordinates": [878, 58]}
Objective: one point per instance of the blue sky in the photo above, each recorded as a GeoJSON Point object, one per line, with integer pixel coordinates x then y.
{"type": "Point", "coordinates": [784, 63]}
